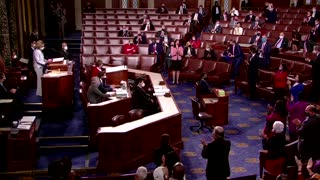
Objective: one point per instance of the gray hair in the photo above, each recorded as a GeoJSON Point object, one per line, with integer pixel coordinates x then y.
{"type": "Point", "coordinates": [142, 173]}
{"type": "Point", "coordinates": [278, 127]}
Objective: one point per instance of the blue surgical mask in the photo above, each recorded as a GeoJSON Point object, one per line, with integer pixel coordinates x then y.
{"type": "Point", "coordinates": [264, 39]}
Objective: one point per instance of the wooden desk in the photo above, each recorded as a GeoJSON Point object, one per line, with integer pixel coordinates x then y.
{"type": "Point", "coordinates": [218, 107]}
{"type": "Point", "coordinates": [132, 144]}
{"type": "Point", "coordinates": [57, 90]}
{"type": "Point", "coordinates": [19, 152]}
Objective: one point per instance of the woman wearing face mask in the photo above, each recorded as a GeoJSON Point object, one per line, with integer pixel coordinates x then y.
{"type": "Point", "coordinates": [176, 54]}
{"type": "Point", "coordinates": [296, 88]}
{"type": "Point", "coordinates": [39, 64]}
{"type": "Point", "coordinates": [280, 87]}
{"type": "Point", "coordinates": [195, 43]}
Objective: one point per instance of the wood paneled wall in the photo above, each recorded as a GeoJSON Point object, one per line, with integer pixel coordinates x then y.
{"type": "Point", "coordinates": [175, 3]}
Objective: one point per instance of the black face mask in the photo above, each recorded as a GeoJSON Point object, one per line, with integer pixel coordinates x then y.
{"type": "Point", "coordinates": [258, 34]}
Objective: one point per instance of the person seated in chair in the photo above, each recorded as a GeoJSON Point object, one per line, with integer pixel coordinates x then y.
{"type": "Point", "coordinates": [147, 26]}
{"type": "Point", "coordinates": [142, 100]}
{"type": "Point", "coordinates": [130, 48]}
{"type": "Point", "coordinates": [189, 51]}
{"type": "Point", "coordinates": [217, 28]}
{"type": "Point", "coordinates": [282, 42]}
{"type": "Point", "coordinates": [209, 53]}
{"type": "Point", "coordinates": [204, 86]}
{"type": "Point", "coordinates": [97, 68]}
{"type": "Point", "coordinates": [162, 34]}
{"type": "Point", "coordinates": [104, 87]}
{"type": "Point", "coordinates": [94, 94]}
{"type": "Point", "coordinates": [140, 38]}
{"type": "Point", "coordinates": [124, 32]}
{"type": "Point", "coordinates": [163, 9]}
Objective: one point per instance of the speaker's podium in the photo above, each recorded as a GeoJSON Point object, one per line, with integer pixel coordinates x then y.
{"type": "Point", "coordinates": [217, 105]}
{"type": "Point", "coordinates": [57, 91]}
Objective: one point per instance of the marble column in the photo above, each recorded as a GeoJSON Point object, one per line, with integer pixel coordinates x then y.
{"type": "Point", "coordinates": [4, 32]}
{"type": "Point", "coordinates": [12, 19]}
{"type": "Point", "coordinates": [151, 4]}
{"type": "Point", "coordinates": [78, 15]}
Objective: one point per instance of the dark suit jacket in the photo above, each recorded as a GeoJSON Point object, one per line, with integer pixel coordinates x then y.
{"type": "Point", "coordinates": [163, 10]}
{"type": "Point", "coordinates": [253, 39]}
{"type": "Point", "coordinates": [238, 54]}
{"type": "Point", "coordinates": [185, 11]}
{"type": "Point", "coordinates": [142, 99]}
{"type": "Point", "coordinates": [204, 87]}
{"type": "Point", "coordinates": [211, 53]}
{"type": "Point", "coordinates": [311, 21]}
{"type": "Point", "coordinates": [218, 29]}
{"type": "Point", "coordinates": [192, 50]}
{"type": "Point", "coordinates": [272, 16]}
{"type": "Point", "coordinates": [4, 93]}
{"type": "Point", "coordinates": [144, 26]}
{"type": "Point", "coordinates": [253, 68]}
{"type": "Point", "coordinates": [252, 19]}
{"type": "Point", "coordinates": [217, 153]}
{"type": "Point", "coordinates": [143, 40]}
{"type": "Point", "coordinates": [275, 146]}
{"type": "Point", "coordinates": [316, 72]}
{"type": "Point", "coordinates": [33, 37]}
{"type": "Point", "coordinates": [308, 131]}
{"type": "Point", "coordinates": [284, 44]}
{"type": "Point", "coordinates": [266, 53]}
{"type": "Point", "coordinates": [66, 54]}
{"type": "Point", "coordinates": [213, 10]}
{"type": "Point", "coordinates": [159, 48]}
{"type": "Point", "coordinates": [122, 33]}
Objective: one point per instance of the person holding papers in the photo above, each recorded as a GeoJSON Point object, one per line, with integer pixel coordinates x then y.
{"type": "Point", "coordinates": [94, 94]}
{"type": "Point", "coordinates": [39, 64]}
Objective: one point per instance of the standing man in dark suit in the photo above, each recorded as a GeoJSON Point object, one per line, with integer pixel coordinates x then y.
{"type": "Point", "coordinates": [308, 130]}
{"type": "Point", "coordinates": [250, 17]}
{"type": "Point", "coordinates": [203, 84]}
{"type": "Point", "coordinates": [315, 74]}
{"type": "Point", "coordinates": [253, 68]}
{"type": "Point", "coordinates": [216, 12]}
{"type": "Point", "coordinates": [217, 153]}
{"type": "Point", "coordinates": [65, 51]}
{"type": "Point", "coordinates": [163, 9]}
{"type": "Point", "coordinates": [156, 48]}
{"type": "Point", "coordinates": [255, 39]}
{"type": "Point", "coordinates": [309, 19]}
{"type": "Point", "coordinates": [264, 48]}
{"type": "Point", "coordinates": [237, 55]}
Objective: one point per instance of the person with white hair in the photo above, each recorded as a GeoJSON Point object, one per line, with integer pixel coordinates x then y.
{"type": "Point", "coordinates": [217, 153]}
{"type": "Point", "coordinates": [141, 173]}
{"type": "Point", "coordinates": [161, 172]}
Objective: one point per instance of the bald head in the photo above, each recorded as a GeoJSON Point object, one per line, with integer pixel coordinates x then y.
{"type": "Point", "coordinates": [218, 132]}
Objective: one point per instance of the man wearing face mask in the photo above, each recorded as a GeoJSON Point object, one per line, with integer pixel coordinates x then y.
{"type": "Point", "coordinates": [124, 32]}
{"type": "Point", "coordinates": [255, 39]}
{"type": "Point", "coordinates": [309, 147]}
{"type": "Point", "coordinates": [209, 53]}
{"type": "Point", "coordinates": [264, 48]}
{"type": "Point", "coordinates": [65, 51]}
{"type": "Point", "coordinates": [250, 17]}
{"type": "Point", "coordinates": [140, 38]}
{"type": "Point", "coordinates": [315, 73]}
{"type": "Point", "coordinates": [282, 42]}
{"type": "Point", "coordinates": [142, 100]}
{"type": "Point", "coordinates": [148, 26]}
{"type": "Point", "coordinates": [309, 19]}
{"type": "Point", "coordinates": [162, 33]}
{"type": "Point", "coordinates": [162, 9]}
{"type": "Point", "coordinates": [217, 28]}
{"type": "Point", "coordinates": [271, 14]}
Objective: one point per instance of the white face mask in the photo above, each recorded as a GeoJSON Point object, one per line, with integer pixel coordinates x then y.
{"type": "Point", "coordinates": [143, 85]}
{"type": "Point", "coordinates": [15, 56]}
{"type": "Point", "coordinates": [281, 37]}
{"type": "Point", "coordinates": [65, 48]}
{"type": "Point", "coordinates": [42, 48]}
{"type": "Point", "coordinates": [148, 23]}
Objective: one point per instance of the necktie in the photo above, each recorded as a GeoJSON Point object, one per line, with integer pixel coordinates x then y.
{"type": "Point", "coordinates": [233, 49]}
{"type": "Point", "coordinates": [262, 48]}
{"type": "Point", "coordinates": [155, 48]}
{"type": "Point", "coordinates": [305, 46]}
{"type": "Point", "coordinates": [278, 43]}
{"type": "Point", "coordinates": [5, 89]}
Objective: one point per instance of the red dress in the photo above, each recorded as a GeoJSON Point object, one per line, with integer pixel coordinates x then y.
{"type": "Point", "coordinates": [130, 49]}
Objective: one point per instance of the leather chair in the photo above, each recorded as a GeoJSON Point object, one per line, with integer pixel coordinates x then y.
{"type": "Point", "coordinates": [88, 27]}
{"type": "Point", "coordinates": [87, 59]}
{"type": "Point", "coordinates": [118, 60]}
{"type": "Point", "coordinates": [118, 120]}
{"type": "Point", "coordinates": [87, 40]}
{"type": "Point", "coordinates": [192, 71]}
{"type": "Point", "coordinates": [87, 49]}
{"type": "Point", "coordinates": [133, 61]}
{"type": "Point", "coordinates": [133, 21]}
{"type": "Point", "coordinates": [224, 24]}
{"type": "Point", "coordinates": [178, 23]}
{"type": "Point", "coordinates": [182, 29]}
{"type": "Point", "coordinates": [244, 39]}
{"type": "Point", "coordinates": [88, 16]}
{"type": "Point", "coordinates": [220, 38]}
{"type": "Point", "coordinates": [100, 16]}
{"type": "Point", "coordinates": [102, 34]}
{"type": "Point", "coordinates": [111, 34]}
{"type": "Point", "coordinates": [208, 66]}
{"type": "Point", "coordinates": [115, 49]}
{"type": "Point", "coordinates": [88, 21]}
{"type": "Point", "coordinates": [143, 49]}
{"type": "Point", "coordinates": [136, 114]}
{"type": "Point", "coordinates": [175, 35]}
{"type": "Point", "coordinates": [111, 22]}
{"type": "Point", "coordinates": [101, 22]}
{"type": "Point", "coordinates": [227, 31]}
{"type": "Point", "coordinates": [221, 74]}
{"type": "Point", "coordinates": [105, 58]}
{"type": "Point", "coordinates": [264, 83]}
{"type": "Point", "coordinates": [123, 21]}
{"type": "Point", "coordinates": [104, 27]}
{"type": "Point", "coordinates": [298, 68]}
{"type": "Point", "coordinates": [101, 49]}
{"type": "Point", "coordinates": [269, 27]}
{"type": "Point", "coordinates": [147, 62]}
{"type": "Point", "coordinates": [289, 64]}
{"type": "Point", "coordinates": [281, 27]}
{"type": "Point", "coordinates": [206, 36]}
{"type": "Point", "coordinates": [274, 63]}
{"type": "Point", "coordinates": [121, 16]}
{"type": "Point", "coordinates": [112, 28]}
{"type": "Point", "coordinates": [115, 41]}
{"type": "Point", "coordinates": [200, 52]}
{"type": "Point", "coordinates": [199, 115]}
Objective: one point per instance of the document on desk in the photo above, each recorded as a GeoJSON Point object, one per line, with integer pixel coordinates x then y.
{"type": "Point", "coordinates": [27, 120]}
{"type": "Point", "coordinates": [24, 126]}
{"type": "Point", "coordinates": [4, 101]}
{"type": "Point", "coordinates": [60, 59]}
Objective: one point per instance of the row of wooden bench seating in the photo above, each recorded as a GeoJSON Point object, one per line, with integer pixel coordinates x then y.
{"type": "Point", "coordinates": [134, 16]}
{"type": "Point", "coordinates": [142, 62]}
{"type": "Point", "coordinates": [149, 34]}
{"type": "Point", "coordinates": [131, 21]}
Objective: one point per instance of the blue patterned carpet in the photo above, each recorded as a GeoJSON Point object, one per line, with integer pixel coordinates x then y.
{"type": "Point", "coordinates": [246, 119]}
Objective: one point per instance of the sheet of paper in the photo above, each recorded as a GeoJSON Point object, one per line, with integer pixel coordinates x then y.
{"type": "Point", "coordinates": [60, 59]}
{"type": "Point", "coordinates": [24, 126]}
{"type": "Point", "coordinates": [23, 60]}
{"type": "Point", "coordinates": [6, 101]}
{"type": "Point", "coordinates": [27, 119]}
